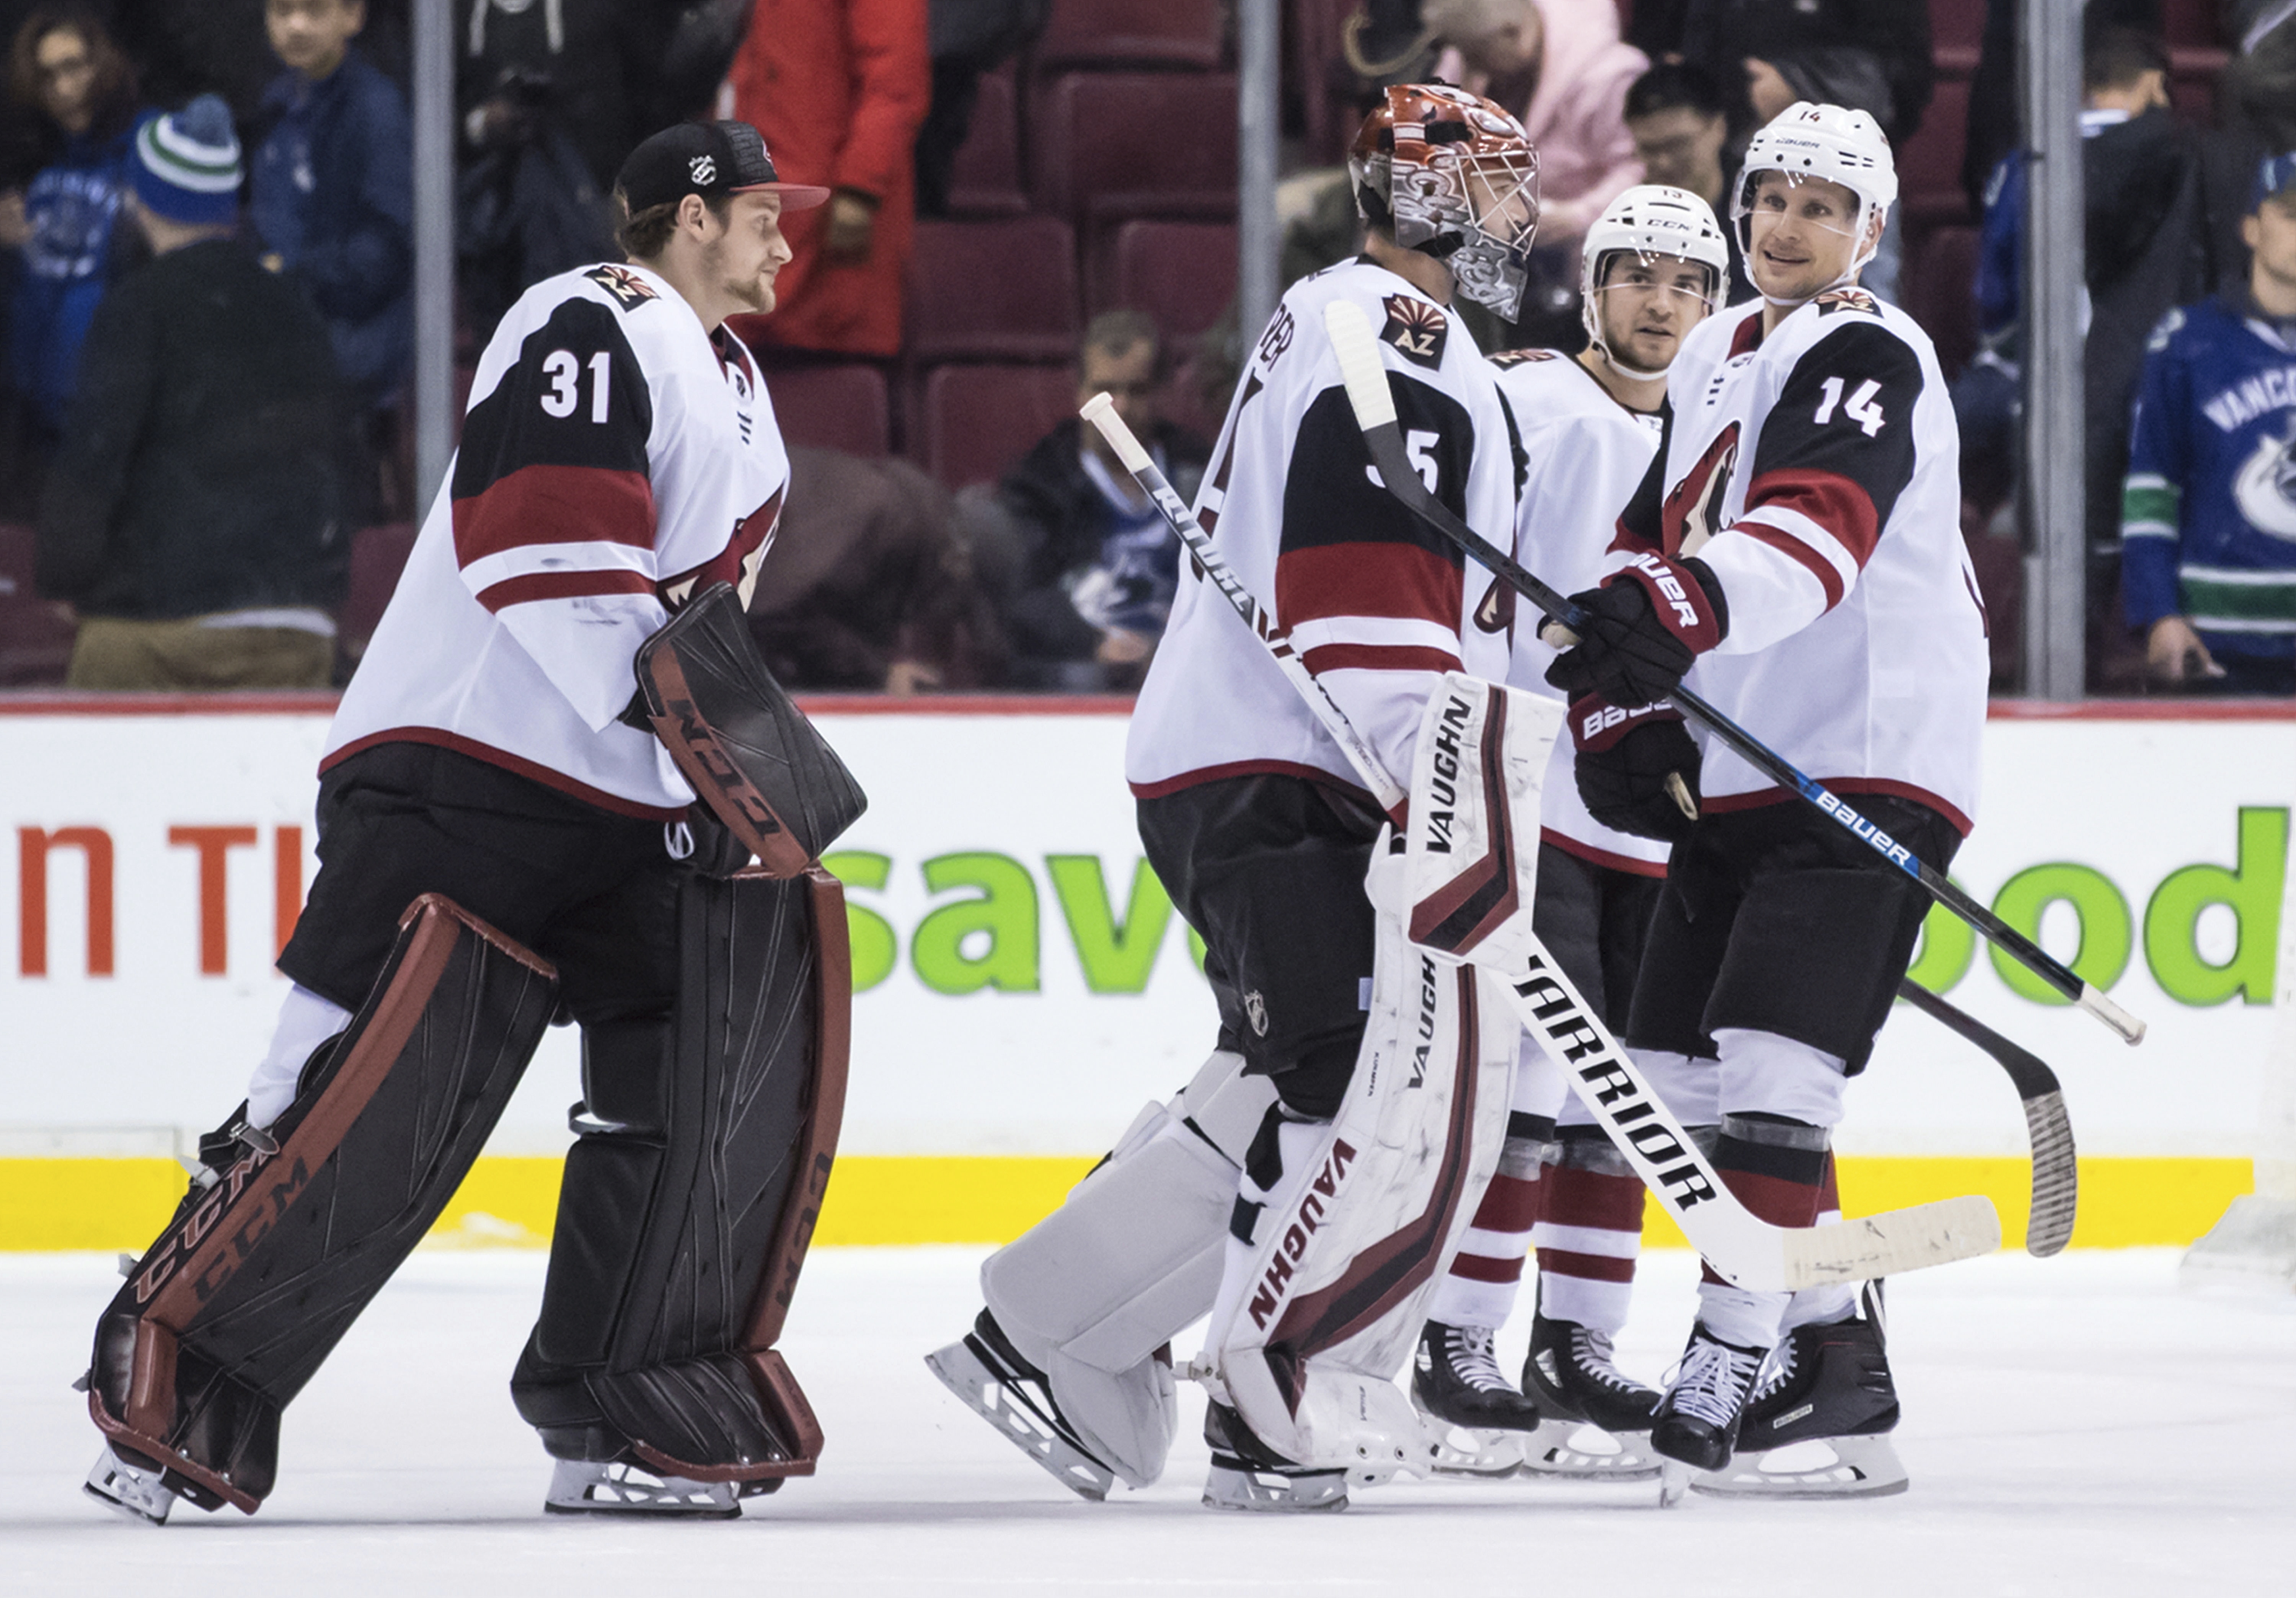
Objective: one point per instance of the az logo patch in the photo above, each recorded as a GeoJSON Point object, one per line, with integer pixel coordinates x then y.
{"type": "Point", "coordinates": [1846, 299]}
{"type": "Point", "coordinates": [1415, 328]}
{"type": "Point", "coordinates": [628, 289]}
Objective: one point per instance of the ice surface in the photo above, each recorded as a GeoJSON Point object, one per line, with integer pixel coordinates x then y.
{"type": "Point", "coordinates": [2073, 1426]}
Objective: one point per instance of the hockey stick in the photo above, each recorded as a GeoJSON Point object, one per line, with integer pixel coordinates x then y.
{"type": "Point", "coordinates": [1740, 1245]}
{"type": "Point", "coordinates": [2048, 1129]}
{"type": "Point", "coordinates": [1373, 404]}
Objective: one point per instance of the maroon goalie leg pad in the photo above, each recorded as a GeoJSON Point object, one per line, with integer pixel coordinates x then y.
{"type": "Point", "coordinates": [269, 1260]}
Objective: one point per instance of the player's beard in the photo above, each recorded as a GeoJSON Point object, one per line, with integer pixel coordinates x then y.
{"type": "Point", "coordinates": [754, 292]}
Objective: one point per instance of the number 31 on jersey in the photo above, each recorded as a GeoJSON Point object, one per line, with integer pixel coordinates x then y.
{"type": "Point", "coordinates": [563, 368]}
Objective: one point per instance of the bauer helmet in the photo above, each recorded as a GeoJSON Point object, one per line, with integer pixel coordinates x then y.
{"type": "Point", "coordinates": [1829, 142]}
{"type": "Point", "coordinates": [1451, 175]}
{"type": "Point", "coordinates": [1650, 219]}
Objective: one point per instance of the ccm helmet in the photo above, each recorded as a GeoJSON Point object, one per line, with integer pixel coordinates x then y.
{"type": "Point", "coordinates": [1650, 221]}
{"type": "Point", "coordinates": [1453, 175]}
{"type": "Point", "coordinates": [1828, 142]}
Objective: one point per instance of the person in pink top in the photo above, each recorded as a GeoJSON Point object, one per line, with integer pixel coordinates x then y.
{"type": "Point", "coordinates": [1561, 61]}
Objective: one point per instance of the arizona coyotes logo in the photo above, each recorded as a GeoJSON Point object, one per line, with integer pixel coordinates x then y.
{"type": "Point", "coordinates": [1692, 511]}
{"type": "Point", "coordinates": [1847, 299]}
{"type": "Point", "coordinates": [1495, 614]}
{"type": "Point", "coordinates": [628, 289]}
{"type": "Point", "coordinates": [1415, 328]}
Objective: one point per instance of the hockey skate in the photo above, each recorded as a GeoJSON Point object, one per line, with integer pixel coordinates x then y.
{"type": "Point", "coordinates": [989, 1375]}
{"type": "Point", "coordinates": [1696, 1421]}
{"type": "Point", "coordinates": [581, 1487]}
{"type": "Point", "coordinates": [137, 1491]}
{"type": "Point", "coordinates": [1246, 1476]}
{"type": "Point", "coordinates": [1474, 1421]}
{"type": "Point", "coordinates": [1818, 1424]}
{"type": "Point", "coordinates": [1586, 1402]}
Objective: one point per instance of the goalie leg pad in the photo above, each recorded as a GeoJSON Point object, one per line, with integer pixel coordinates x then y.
{"type": "Point", "coordinates": [691, 1199]}
{"type": "Point", "coordinates": [269, 1260]}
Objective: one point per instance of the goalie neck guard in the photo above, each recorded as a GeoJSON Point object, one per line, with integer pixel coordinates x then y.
{"type": "Point", "coordinates": [1830, 143]}
{"type": "Point", "coordinates": [1453, 175]}
{"type": "Point", "coordinates": [1650, 221]}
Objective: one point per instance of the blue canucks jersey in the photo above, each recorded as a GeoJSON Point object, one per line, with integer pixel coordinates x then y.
{"type": "Point", "coordinates": [2208, 511]}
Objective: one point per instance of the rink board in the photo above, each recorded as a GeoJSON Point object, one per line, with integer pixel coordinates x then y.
{"type": "Point", "coordinates": [1025, 986]}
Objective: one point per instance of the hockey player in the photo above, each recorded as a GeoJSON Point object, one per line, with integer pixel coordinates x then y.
{"type": "Point", "coordinates": [1255, 819]}
{"type": "Point", "coordinates": [1795, 550]}
{"type": "Point", "coordinates": [619, 459]}
{"type": "Point", "coordinates": [1652, 268]}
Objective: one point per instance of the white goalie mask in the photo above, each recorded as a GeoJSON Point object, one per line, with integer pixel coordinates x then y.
{"type": "Point", "coordinates": [1455, 176]}
{"type": "Point", "coordinates": [1654, 222]}
{"type": "Point", "coordinates": [1831, 142]}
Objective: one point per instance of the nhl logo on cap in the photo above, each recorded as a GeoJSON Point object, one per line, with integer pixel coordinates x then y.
{"type": "Point", "coordinates": [704, 170]}
{"type": "Point", "coordinates": [713, 160]}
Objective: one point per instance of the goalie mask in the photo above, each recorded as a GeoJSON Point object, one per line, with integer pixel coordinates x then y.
{"type": "Point", "coordinates": [1656, 225]}
{"type": "Point", "coordinates": [1807, 141]}
{"type": "Point", "coordinates": [1451, 175]}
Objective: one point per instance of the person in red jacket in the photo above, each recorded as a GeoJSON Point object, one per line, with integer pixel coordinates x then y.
{"type": "Point", "coordinates": [839, 87]}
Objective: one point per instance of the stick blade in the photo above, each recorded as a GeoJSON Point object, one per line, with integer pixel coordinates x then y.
{"type": "Point", "coordinates": [1893, 1242]}
{"type": "Point", "coordinates": [2056, 1176]}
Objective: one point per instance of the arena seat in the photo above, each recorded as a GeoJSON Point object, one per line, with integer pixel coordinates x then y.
{"type": "Point", "coordinates": [1941, 281]}
{"type": "Point", "coordinates": [978, 420]}
{"type": "Point", "coordinates": [986, 179]}
{"type": "Point", "coordinates": [993, 291]}
{"type": "Point", "coordinates": [378, 555]}
{"type": "Point", "coordinates": [35, 642]}
{"type": "Point", "coordinates": [1109, 145]}
{"type": "Point", "coordinates": [1172, 33]}
{"type": "Point", "coordinates": [844, 407]}
{"type": "Point", "coordinates": [1928, 165]}
{"type": "Point", "coordinates": [1183, 273]}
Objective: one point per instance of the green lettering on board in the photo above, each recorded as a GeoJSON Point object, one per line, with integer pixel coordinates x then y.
{"type": "Point", "coordinates": [1116, 959]}
{"type": "Point", "coordinates": [2107, 932]}
{"type": "Point", "coordinates": [876, 945]}
{"type": "Point", "coordinates": [1001, 921]}
{"type": "Point", "coordinates": [2252, 888]}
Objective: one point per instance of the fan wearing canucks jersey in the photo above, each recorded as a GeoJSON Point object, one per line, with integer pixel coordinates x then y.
{"type": "Point", "coordinates": [2209, 511]}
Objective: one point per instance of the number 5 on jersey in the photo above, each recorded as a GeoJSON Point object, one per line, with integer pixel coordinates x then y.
{"type": "Point", "coordinates": [1419, 443]}
{"type": "Point", "coordinates": [563, 368]}
{"type": "Point", "coordinates": [1861, 409]}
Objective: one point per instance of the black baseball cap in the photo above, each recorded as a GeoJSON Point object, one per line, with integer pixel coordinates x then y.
{"type": "Point", "coordinates": [712, 159]}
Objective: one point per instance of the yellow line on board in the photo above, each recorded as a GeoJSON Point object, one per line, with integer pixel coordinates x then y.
{"type": "Point", "coordinates": [891, 1200]}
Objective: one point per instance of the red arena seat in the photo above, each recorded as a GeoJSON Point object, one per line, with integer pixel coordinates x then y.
{"type": "Point", "coordinates": [993, 291]}
{"type": "Point", "coordinates": [1176, 33]}
{"type": "Point", "coordinates": [846, 407]}
{"type": "Point", "coordinates": [1183, 273]}
{"type": "Point", "coordinates": [986, 179]}
{"type": "Point", "coordinates": [35, 641]}
{"type": "Point", "coordinates": [1116, 145]}
{"type": "Point", "coordinates": [1929, 164]}
{"type": "Point", "coordinates": [978, 420]}
{"type": "Point", "coordinates": [1941, 293]}
{"type": "Point", "coordinates": [378, 555]}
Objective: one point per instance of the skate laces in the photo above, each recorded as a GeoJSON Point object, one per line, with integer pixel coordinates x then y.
{"type": "Point", "coordinates": [1712, 1381]}
{"type": "Point", "coordinates": [1595, 1354]}
{"type": "Point", "coordinates": [1469, 1352]}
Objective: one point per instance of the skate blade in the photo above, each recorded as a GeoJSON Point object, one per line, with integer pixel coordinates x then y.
{"type": "Point", "coordinates": [1673, 1482]}
{"type": "Point", "coordinates": [577, 1488]}
{"type": "Point", "coordinates": [1570, 1451]}
{"type": "Point", "coordinates": [1235, 1485]}
{"type": "Point", "coordinates": [1861, 1467]}
{"type": "Point", "coordinates": [127, 1491]}
{"type": "Point", "coordinates": [1006, 1406]}
{"type": "Point", "coordinates": [1468, 1451]}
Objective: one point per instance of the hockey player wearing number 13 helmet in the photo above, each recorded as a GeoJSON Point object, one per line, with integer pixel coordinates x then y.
{"type": "Point", "coordinates": [1795, 553]}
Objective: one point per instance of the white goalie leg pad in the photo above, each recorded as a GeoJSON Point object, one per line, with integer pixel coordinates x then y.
{"type": "Point", "coordinates": [1090, 1293]}
{"type": "Point", "coordinates": [1321, 1306]}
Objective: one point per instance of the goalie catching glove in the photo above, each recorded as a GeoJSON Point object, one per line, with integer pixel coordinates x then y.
{"type": "Point", "coordinates": [1641, 630]}
{"type": "Point", "coordinates": [1625, 758]}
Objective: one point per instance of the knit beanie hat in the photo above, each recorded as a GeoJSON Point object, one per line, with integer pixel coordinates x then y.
{"type": "Point", "coordinates": [187, 164]}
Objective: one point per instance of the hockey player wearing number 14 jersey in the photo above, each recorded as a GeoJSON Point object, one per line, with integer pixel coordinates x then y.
{"type": "Point", "coordinates": [1795, 550]}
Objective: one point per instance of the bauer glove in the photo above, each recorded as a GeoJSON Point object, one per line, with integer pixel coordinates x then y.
{"type": "Point", "coordinates": [1625, 760]}
{"type": "Point", "coordinates": [1643, 628]}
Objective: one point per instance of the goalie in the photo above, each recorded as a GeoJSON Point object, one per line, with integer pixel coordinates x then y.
{"type": "Point", "coordinates": [508, 835]}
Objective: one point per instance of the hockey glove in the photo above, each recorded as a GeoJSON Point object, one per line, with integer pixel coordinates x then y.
{"type": "Point", "coordinates": [1625, 757]}
{"type": "Point", "coordinates": [1644, 627]}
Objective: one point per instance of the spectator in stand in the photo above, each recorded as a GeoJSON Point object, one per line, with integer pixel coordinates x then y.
{"type": "Point", "coordinates": [1680, 123]}
{"type": "Point", "coordinates": [334, 191]}
{"type": "Point", "coordinates": [193, 514]}
{"type": "Point", "coordinates": [838, 89]}
{"type": "Point", "coordinates": [61, 224]}
{"type": "Point", "coordinates": [2209, 511]}
{"type": "Point", "coordinates": [1096, 565]}
{"type": "Point", "coordinates": [2256, 106]}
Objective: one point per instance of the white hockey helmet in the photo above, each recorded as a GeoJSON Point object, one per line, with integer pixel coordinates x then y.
{"type": "Point", "coordinates": [1830, 141]}
{"type": "Point", "coordinates": [1650, 219]}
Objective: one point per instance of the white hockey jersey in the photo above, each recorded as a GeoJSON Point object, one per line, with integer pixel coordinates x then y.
{"type": "Point", "coordinates": [1378, 604]}
{"type": "Point", "coordinates": [1585, 452]}
{"type": "Point", "coordinates": [1816, 472]}
{"type": "Point", "coordinates": [616, 456]}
